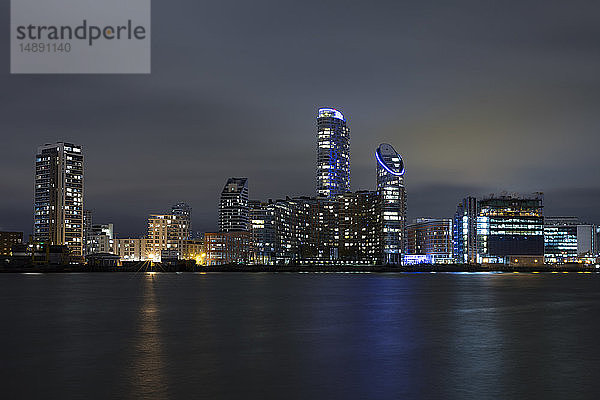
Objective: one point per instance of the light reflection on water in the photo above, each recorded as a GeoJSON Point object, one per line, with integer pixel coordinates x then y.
{"type": "Point", "coordinates": [317, 336]}
{"type": "Point", "coordinates": [147, 364]}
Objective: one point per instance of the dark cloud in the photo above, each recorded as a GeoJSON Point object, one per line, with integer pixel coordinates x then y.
{"type": "Point", "coordinates": [478, 96]}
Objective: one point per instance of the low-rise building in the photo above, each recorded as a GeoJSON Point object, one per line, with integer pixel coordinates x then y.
{"type": "Point", "coordinates": [560, 239]}
{"type": "Point", "coordinates": [100, 239]}
{"type": "Point", "coordinates": [130, 249]}
{"type": "Point", "coordinates": [8, 240]}
{"type": "Point", "coordinates": [166, 232]}
{"type": "Point", "coordinates": [227, 247]}
{"type": "Point", "coordinates": [430, 237]}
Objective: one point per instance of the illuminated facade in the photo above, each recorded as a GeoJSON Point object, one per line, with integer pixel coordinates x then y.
{"type": "Point", "coordinates": [307, 229]}
{"type": "Point", "coordinates": [264, 232]}
{"type": "Point", "coordinates": [8, 240]}
{"type": "Point", "coordinates": [333, 153]}
{"type": "Point", "coordinates": [166, 233]}
{"type": "Point", "coordinates": [58, 208]}
{"type": "Point", "coordinates": [431, 237]}
{"type": "Point", "coordinates": [101, 239]}
{"type": "Point", "coordinates": [392, 193]}
{"type": "Point", "coordinates": [360, 227]}
{"type": "Point", "coordinates": [233, 207]}
{"type": "Point", "coordinates": [465, 231]}
{"type": "Point", "coordinates": [87, 232]}
{"type": "Point", "coordinates": [293, 230]}
{"type": "Point", "coordinates": [131, 249]}
{"type": "Point", "coordinates": [193, 249]}
{"type": "Point", "coordinates": [560, 239]}
{"type": "Point", "coordinates": [183, 209]}
{"type": "Point", "coordinates": [227, 248]}
{"type": "Point", "coordinates": [568, 240]}
{"type": "Point", "coordinates": [510, 226]}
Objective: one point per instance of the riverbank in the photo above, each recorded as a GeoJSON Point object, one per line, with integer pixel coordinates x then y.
{"type": "Point", "coordinates": [146, 267]}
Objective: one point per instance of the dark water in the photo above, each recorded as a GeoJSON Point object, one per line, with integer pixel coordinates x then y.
{"type": "Point", "coordinates": [359, 336]}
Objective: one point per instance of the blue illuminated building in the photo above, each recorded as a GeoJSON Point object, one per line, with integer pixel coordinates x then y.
{"type": "Point", "coordinates": [333, 153]}
{"type": "Point", "coordinates": [392, 197]}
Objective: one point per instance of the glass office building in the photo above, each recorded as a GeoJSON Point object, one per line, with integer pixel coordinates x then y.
{"type": "Point", "coordinates": [560, 239]}
{"type": "Point", "coordinates": [510, 225]}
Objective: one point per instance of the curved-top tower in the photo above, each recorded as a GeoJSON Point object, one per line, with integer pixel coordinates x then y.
{"type": "Point", "coordinates": [333, 153]}
{"type": "Point", "coordinates": [392, 194]}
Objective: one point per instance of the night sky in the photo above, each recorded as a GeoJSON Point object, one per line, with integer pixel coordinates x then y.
{"type": "Point", "coordinates": [477, 96]}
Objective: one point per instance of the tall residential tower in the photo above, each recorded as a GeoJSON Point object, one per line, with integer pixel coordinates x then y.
{"type": "Point", "coordinates": [392, 197]}
{"type": "Point", "coordinates": [58, 204]}
{"type": "Point", "coordinates": [233, 208]}
{"type": "Point", "coordinates": [333, 153]}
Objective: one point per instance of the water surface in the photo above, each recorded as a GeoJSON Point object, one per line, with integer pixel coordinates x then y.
{"type": "Point", "coordinates": [310, 336]}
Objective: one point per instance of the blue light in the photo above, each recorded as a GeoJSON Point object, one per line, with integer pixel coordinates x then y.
{"type": "Point", "coordinates": [331, 112]}
{"type": "Point", "coordinates": [380, 161]}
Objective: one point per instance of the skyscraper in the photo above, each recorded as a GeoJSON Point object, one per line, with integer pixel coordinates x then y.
{"type": "Point", "coordinates": [333, 153]}
{"type": "Point", "coordinates": [392, 194]}
{"type": "Point", "coordinates": [58, 204]}
{"type": "Point", "coordinates": [233, 207]}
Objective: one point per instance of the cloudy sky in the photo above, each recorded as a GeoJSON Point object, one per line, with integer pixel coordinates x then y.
{"type": "Point", "coordinates": [478, 97]}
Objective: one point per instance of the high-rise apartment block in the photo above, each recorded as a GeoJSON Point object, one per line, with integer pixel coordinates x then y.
{"type": "Point", "coordinates": [58, 209]}
{"type": "Point", "coordinates": [333, 153]}
{"type": "Point", "coordinates": [392, 193]}
{"type": "Point", "coordinates": [233, 207]}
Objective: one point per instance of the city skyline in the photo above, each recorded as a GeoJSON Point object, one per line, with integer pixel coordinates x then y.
{"type": "Point", "coordinates": [474, 108]}
{"type": "Point", "coordinates": [411, 215]}
{"type": "Point", "coordinates": [392, 199]}
{"type": "Point", "coordinates": [337, 226]}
